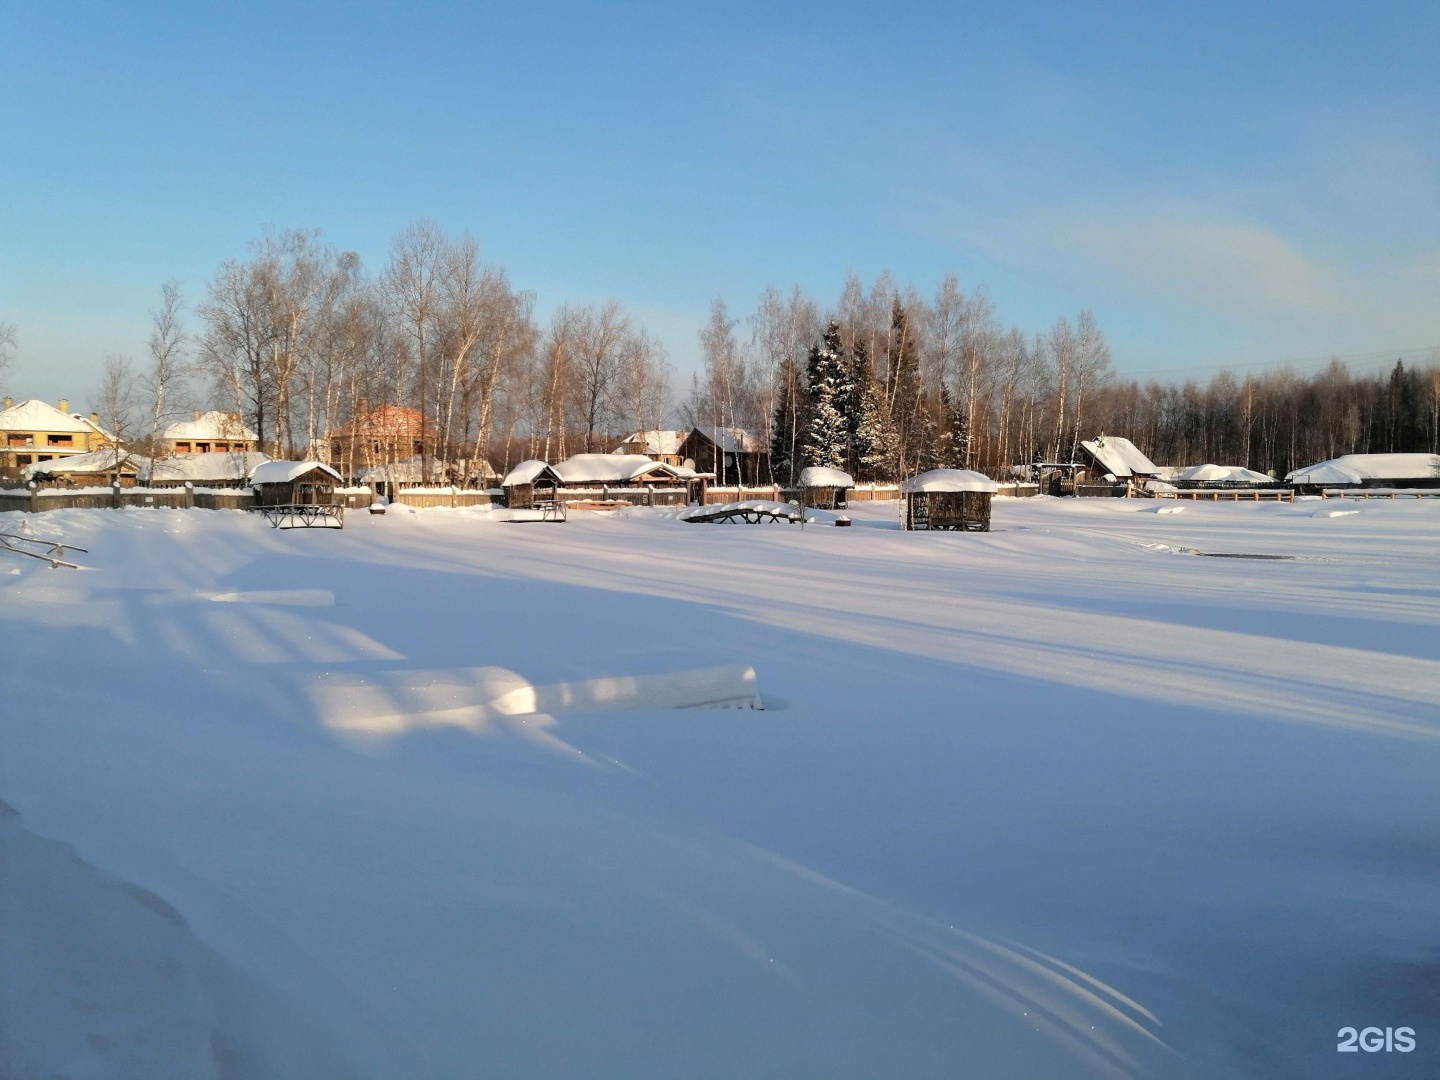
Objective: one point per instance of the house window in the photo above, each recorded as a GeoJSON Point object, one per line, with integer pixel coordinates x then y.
{"type": "Point", "coordinates": [22, 440]}
{"type": "Point", "coordinates": [182, 447]}
{"type": "Point", "coordinates": [202, 447]}
{"type": "Point", "coordinates": [44, 457]}
{"type": "Point", "coordinates": [22, 459]}
{"type": "Point", "coordinates": [60, 440]}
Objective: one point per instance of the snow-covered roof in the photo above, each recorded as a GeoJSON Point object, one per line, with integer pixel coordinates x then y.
{"type": "Point", "coordinates": [950, 480]}
{"type": "Point", "coordinates": [527, 472]}
{"type": "Point", "coordinates": [1358, 468]}
{"type": "Point", "coordinates": [411, 471]}
{"type": "Point", "coordinates": [96, 461]}
{"type": "Point", "coordinates": [1120, 456]}
{"type": "Point", "coordinates": [214, 465]}
{"type": "Point", "coordinates": [1221, 474]}
{"type": "Point", "coordinates": [282, 472]}
{"type": "Point", "coordinates": [732, 440]}
{"type": "Point", "coordinates": [658, 441]}
{"type": "Point", "coordinates": [211, 425]}
{"type": "Point", "coordinates": [37, 415]}
{"type": "Point", "coordinates": [820, 476]}
{"type": "Point", "coordinates": [609, 468]}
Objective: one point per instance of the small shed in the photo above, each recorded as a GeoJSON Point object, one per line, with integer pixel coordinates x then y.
{"type": "Point", "coordinates": [824, 488]}
{"type": "Point", "coordinates": [528, 483]}
{"type": "Point", "coordinates": [949, 499]}
{"type": "Point", "coordinates": [294, 483]}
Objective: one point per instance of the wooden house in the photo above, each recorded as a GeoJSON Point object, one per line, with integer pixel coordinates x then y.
{"type": "Point", "coordinates": [732, 455]}
{"type": "Point", "coordinates": [33, 432]}
{"type": "Point", "coordinates": [950, 499]}
{"type": "Point", "coordinates": [98, 468]}
{"type": "Point", "coordinates": [825, 489]}
{"type": "Point", "coordinates": [1356, 472]}
{"type": "Point", "coordinates": [658, 445]}
{"type": "Point", "coordinates": [294, 483]}
{"type": "Point", "coordinates": [1118, 461]}
{"type": "Point", "coordinates": [208, 470]}
{"type": "Point", "coordinates": [213, 432]}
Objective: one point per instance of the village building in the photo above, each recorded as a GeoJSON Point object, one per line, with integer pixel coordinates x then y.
{"type": "Point", "coordinates": [1111, 456]}
{"type": "Point", "coordinates": [732, 455]}
{"type": "Point", "coordinates": [209, 433]}
{"type": "Point", "coordinates": [387, 478]}
{"type": "Point", "coordinates": [98, 468]}
{"type": "Point", "coordinates": [658, 445]}
{"type": "Point", "coordinates": [949, 499]}
{"type": "Point", "coordinates": [208, 470]}
{"type": "Point", "coordinates": [380, 436]}
{"type": "Point", "coordinates": [35, 431]}
{"type": "Point", "coordinates": [1369, 471]}
{"type": "Point", "coordinates": [824, 488]}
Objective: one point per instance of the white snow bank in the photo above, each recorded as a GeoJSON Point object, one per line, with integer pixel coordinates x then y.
{"type": "Point", "coordinates": [1358, 468]}
{"type": "Point", "coordinates": [819, 476]}
{"type": "Point", "coordinates": [282, 472]}
{"type": "Point", "coordinates": [199, 468]}
{"type": "Point", "coordinates": [101, 978]}
{"type": "Point", "coordinates": [949, 480]}
{"type": "Point", "coordinates": [476, 698]}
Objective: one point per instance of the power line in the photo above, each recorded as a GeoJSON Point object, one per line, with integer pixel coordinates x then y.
{"type": "Point", "coordinates": [1380, 356]}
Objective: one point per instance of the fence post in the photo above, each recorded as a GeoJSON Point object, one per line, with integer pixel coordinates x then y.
{"type": "Point", "coordinates": [189, 495]}
{"type": "Point", "coordinates": [116, 500]}
{"type": "Point", "coordinates": [34, 498]}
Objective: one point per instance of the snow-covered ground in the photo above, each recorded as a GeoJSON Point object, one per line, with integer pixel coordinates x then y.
{"type": "Point", "coordinates": [1066, 799]}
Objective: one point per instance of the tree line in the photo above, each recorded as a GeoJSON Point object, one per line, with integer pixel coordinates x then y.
{"type": "Point", "coordinates": [299, 337]}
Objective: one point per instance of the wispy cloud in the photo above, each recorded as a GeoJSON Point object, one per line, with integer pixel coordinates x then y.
{"type": "Point", "coordinates": [1234, 268]}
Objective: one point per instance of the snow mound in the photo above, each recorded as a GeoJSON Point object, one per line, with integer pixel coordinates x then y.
{"type": "Point", "coordinates": [479, 698]}
{"type": "Point", "coordinates": [1335, 513]}
{"type": "Point", "coordinates": [105, 979]}
{"type": "Point", "coordinates": [1222, 474]}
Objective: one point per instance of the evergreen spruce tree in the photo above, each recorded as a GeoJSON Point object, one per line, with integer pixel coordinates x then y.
{"type": "Point", "coordinates": [877, 443]}
{"type": "Point", "coordinates": [826, 432]}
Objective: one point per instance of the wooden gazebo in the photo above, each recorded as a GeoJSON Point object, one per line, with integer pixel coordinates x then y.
{"type": "Point", "coordinates": [825, 489]}
{"type": "Point", "coordinates": [956, 500]}
{"type": "Point", "coordinates": [297, 493]}
{"type": "Point", "coordinates": [522, 483]}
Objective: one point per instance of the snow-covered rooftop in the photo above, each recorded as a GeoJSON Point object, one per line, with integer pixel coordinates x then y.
{"type": "Point", "coordinates": [282, 472]}
{"type": "Point", "coordinates": [96, 461]}
{"type": "Point", "coordinates": [1120, 456]}
{"type": "Point", "coordinates": [659, 441]}
{"type": "Point", "coordinates": [1221, 474]}
{"type": "Point", "coordinates": [732, 440]}
{"type": "Point", "coordinates": [1358, 468]}
{"type": "Point", "coordinates": [208, 467]}
{"type": "Point", "coordinates": [211, 425]}
{"type": "Point", "coordinates": [527, 472]}
{"type": "Point", "coordinates": [37, 415]}
{"type": "Point", "coordinates": [609, 468]}
{"type": "Point", "coordinates": [820, 476]}
{"type": "Point", "coordinates": [950, 480]}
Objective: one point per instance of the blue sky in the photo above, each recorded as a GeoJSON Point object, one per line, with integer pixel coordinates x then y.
{"type": "Point", "coordinates": [1223, 184]}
